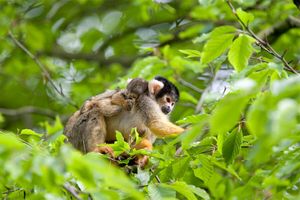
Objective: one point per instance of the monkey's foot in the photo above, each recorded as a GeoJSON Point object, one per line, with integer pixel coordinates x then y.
{"type": "Point", "coordinates": [141, 160]}
{"type": "Point", "coordinates": [105, 150]}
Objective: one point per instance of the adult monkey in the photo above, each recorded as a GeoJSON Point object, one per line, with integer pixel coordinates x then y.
{"type": "Point", "coordinates": [152, 101]}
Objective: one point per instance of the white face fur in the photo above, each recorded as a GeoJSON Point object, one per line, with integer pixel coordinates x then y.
{"type": "Point", "coordinates": [166, 102]}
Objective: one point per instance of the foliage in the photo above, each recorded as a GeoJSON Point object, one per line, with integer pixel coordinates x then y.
{"type": "Point", "coordinates": [235, 63]}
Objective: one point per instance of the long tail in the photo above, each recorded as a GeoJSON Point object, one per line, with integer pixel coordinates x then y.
{"type": "Point", "coordinates": [164, 128]}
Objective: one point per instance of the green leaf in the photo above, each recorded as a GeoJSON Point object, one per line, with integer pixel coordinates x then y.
{"type": "Point", "coordinates": [220, 39]}
{"type": "Point", "coordinates": [160, 192]}
{"type": "Point", "coordinates": [228, 112]}
{"type": "Point", "coordinates": [191, 53]}
{"type": "Point", "coordinates": [257, 116]}
{"type": "Point", "coordinates": [10, 142]}
{"type": "Point", "coordinates": [119, 146]}
{"type": "Point", "coordinates": [229, 168]}
{"type": "Point", "coordinates": [195, 132]}
{"type": "Point", "coordinates": [180, 166]}
{"type": "Point", "coordinates": [199, 192]}
{"type": "Point", "coordinates": [284, 119]}
{"type": "Point", "coordinates": [182, 188]}
{"type": "Point", "coordinates": [30, 132]}
{"type": "Point", "coordinates": [193, 119]}
{"type": "Point", "coordinates": [203, 168]}
{"type": "Point", "coordinates": [191, 135]}
{"type": "Point", "coordinates": [244, 16]}
{"type": "Point", "coordinates": [232, 146]}
{"type": "Point", "coordinates": [240, 52]}
{"type": "Point", "coordinates": [184, 96]}
{"type": "Point", "coordinates": [55, 128]}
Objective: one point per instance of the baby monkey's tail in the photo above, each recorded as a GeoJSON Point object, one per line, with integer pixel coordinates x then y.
{"type": "Point", "coordinates": [164, 128]}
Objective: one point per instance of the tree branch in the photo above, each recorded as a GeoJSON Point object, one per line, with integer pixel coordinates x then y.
{"type": "Point", "coordinates": [28, 110]}
{"type": "Point", "coordinates": [46, 75]}
{"type": "Point", "coordinates": [274, 32]}
{"type": "Point", "coordinates": [189, 85]}
{"type": "Point", "coordinates": [96, 57]}
{"type": "Point", "coordinates": [263, 44]}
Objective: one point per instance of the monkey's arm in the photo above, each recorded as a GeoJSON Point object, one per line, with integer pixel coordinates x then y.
{"type": "Point", "coordinates": [163, 128]}
{"type": "Point", "coordinates": [156, 121]}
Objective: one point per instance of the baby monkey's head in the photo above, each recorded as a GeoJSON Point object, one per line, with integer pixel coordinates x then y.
{"type": "Point", "coordinates": [159, 89]}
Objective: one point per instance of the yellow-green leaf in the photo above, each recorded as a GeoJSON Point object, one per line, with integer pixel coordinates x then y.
{"type": "Point", "coordinates": [244, 16]}
{"type": "Point", "coordinates": [219, 40]}
{"type": "Point", "coordinates": [240, 52]}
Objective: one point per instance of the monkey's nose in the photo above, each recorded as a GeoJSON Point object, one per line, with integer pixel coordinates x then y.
{"type": "Point", "coordinates": [166, 109]}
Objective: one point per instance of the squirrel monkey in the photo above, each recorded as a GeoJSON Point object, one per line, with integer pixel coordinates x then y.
{"type": "Point", "coordinates": [86, 127]}
{"type": "Point", "coordinates": [142, 104]}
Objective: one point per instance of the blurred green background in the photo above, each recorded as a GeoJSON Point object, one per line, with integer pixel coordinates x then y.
{"type": "Point", "coordinates": [237, 72]}
{"type": "Point", "coordinates": [86, 47]}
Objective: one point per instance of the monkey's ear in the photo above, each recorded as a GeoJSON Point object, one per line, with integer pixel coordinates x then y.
{"type": "Point", "coordinates": [129, 80]}
{"type": "Point", "coordinates": [155, 86]}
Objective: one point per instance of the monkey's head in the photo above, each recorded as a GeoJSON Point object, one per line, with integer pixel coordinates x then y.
{"type": "Point", "coordinates": [165, 93]}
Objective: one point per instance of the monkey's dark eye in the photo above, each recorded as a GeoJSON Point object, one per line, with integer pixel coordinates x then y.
{"type": "Point", "coordinates": [172, 103]}
{"type": "Point", "coordinates": [168, 99]}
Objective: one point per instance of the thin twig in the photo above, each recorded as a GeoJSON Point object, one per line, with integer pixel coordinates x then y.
{"type": "Point", "coordinates": [156, 177]}
{"type": "Point", "coordinates": [263, 44]}
{"type": "Point", "coordinates": [72, 190]}
{"type": "Point", "coordinates": [205, 92]}
{"type": "Point", "coordinates": [189, 85]}
{"type": "Point", "coordinates": [46, 75]}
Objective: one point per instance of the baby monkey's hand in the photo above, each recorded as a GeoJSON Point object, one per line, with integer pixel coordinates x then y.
{"type": "Point", "coordinates": [129, 101]}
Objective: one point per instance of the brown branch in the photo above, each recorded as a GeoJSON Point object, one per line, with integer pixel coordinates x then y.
{"type": "Point", "coordinates": [274, 32]}
{"type": "Point", "coordinates": [46, 75]}
{"type": "Point", "coordinates": [28, 110]}
{"type": "Point", "coordinates": [263, 44]}
{"type": "Point", "coordinates": [94, 57]}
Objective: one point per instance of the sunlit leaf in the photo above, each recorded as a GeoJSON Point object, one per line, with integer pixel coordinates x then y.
{"type": "Point", "coordinates": [240, 52]}
{"type": "Point", "coordinates": [228, 112]}
{"type": "Point", "coordinates": [219, 40]}
{"type": "Point", "coordinates": [245, 16]}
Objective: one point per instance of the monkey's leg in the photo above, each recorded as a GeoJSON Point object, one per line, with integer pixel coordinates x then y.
{"type": "Point", "coordinates": [142, 160]}
{"type": "Point", "coordinates": [105, 107]}
{"type": "Point", "coordinates": [122, 99]}
{"type": "Point", "coordinates": [108, 109]}
{"type": "Point", "coordinates": [89, 131]}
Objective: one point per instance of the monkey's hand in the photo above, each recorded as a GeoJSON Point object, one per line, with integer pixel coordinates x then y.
{"type": "Point", "coordinates": [105, 150]}
{"type": "Point", "coordinates": [128, 104]}
{"type": "Point", "coordinates": [142, 160]}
